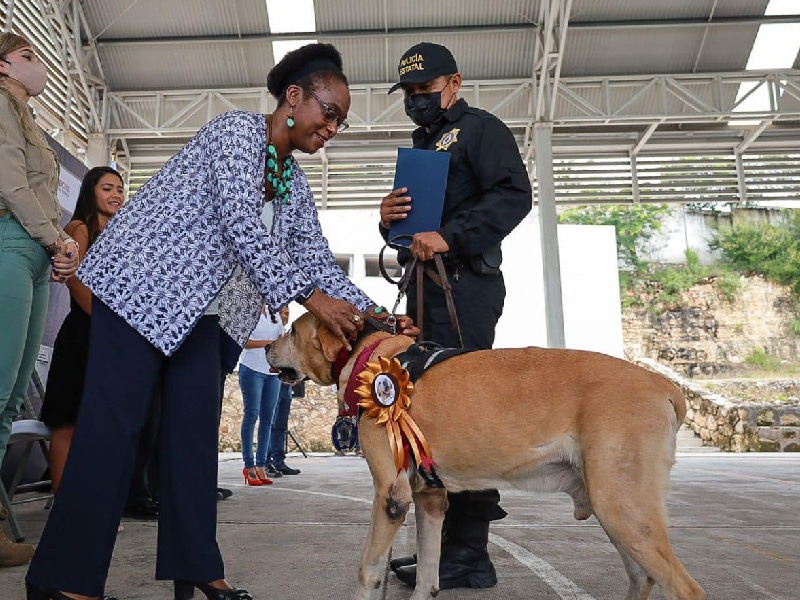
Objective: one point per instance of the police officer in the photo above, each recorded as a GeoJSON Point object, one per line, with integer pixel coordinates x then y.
{"type": "Point", "coordinates": [488, 194]}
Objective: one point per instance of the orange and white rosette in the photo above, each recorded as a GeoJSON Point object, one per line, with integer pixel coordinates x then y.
{"type": "Point", "coordinates": [385, 392]}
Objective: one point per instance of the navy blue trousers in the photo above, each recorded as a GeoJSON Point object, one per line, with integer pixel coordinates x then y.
{"type": "Point", "coordinates": [75, 550]}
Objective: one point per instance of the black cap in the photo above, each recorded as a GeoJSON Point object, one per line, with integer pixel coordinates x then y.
{"type": "Point", "coordinates": [424, 62]}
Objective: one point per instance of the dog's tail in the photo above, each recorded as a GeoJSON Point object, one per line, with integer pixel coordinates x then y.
{"type": "Point", "coordinates": [678, 401]}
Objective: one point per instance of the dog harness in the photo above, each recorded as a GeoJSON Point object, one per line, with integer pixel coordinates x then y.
{"type": "Point", "coordinates": [420, 357]}
{"type": "Point", "coordinates": [383, 391]}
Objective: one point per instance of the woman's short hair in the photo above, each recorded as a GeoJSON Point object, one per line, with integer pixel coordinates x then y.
{"type": "Point", "coordinates": [9, 42]}
{"type": "Point", "coordinates": [307, 67]}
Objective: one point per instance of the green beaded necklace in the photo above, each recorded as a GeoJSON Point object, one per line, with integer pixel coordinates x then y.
{"type": "Point", "coordinates": [279, 181]}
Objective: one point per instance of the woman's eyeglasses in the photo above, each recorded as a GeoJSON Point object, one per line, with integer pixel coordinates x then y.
{"type": "Point", "coordinates": [330, 114]}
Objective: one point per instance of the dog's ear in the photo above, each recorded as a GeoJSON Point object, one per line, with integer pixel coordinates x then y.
{"type": "Point", "coordinates": [331, 345]}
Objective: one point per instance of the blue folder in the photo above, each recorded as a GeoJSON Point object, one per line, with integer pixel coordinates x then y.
{"type": "Point", "coordinates": [424, 173]}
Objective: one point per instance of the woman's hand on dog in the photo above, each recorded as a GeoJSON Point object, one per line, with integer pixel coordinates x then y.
{"type": "Point", "coordinates": [404, 323]}
{"type": "Point", "coordinates": [341, 318]}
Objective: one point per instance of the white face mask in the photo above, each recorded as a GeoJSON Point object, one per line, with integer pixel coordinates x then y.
{"type": "Point", "coordinates": [31, 75]}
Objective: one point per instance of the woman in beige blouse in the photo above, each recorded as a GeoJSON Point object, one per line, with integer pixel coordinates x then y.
{"type": "Point", "coordinates": [33, 248]}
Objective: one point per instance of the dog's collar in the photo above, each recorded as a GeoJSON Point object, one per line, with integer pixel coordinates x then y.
{"type": "Point", "coordinates": [350, 400]}
{"type": "Point", "coordinates": [371, 326]}
{"type": "Point", "coordinates": [339, 363]}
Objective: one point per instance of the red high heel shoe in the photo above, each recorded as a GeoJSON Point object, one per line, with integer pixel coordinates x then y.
{"type": "Point", "coordinates": [262, 475]}
{"type": "Point", "coordinates": [251, 478]}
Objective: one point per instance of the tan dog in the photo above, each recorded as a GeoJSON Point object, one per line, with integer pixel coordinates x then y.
{"type": "Point", "coordinates": [596, 427]}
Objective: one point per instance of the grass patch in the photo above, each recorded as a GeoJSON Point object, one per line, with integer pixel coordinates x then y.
{"type": "Point", "coordinates": [794, 325]}
{"type": "Point", "coordinates": [672, 280]}
{"type": "Point", "coordinates": [759, 359]}
{"type": "Point", "coordinates": [729, 283]}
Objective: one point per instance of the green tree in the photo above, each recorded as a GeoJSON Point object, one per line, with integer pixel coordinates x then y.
{"type": "Point", "coordinates": [771, 250]}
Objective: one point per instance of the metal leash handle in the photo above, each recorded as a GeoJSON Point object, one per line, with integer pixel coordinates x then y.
{"type": "Point", "coordinates": [404, 281]}
{"type": "Point", "coordinates": [402, 286]}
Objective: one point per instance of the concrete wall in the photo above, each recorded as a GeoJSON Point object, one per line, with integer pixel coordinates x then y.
{"type": "Point", "coordinates": [737, 426]}
{"type": "Point", "coordinates": [685, 228]}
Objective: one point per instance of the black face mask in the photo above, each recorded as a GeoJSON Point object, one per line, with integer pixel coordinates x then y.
{"type": "Point", "coordinates": [424, 109]}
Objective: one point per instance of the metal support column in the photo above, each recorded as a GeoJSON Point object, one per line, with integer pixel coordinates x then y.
{"type": "Point", "coordinates": [548, 221]}
{"type": "Point", "coordinates": [98, 152]}
{"type": "Point", "coordinates": [9, 16]}
{"type": "Point", "coordinates": [740, 178]}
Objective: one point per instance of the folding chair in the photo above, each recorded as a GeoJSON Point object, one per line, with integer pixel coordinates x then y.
{"type": "Point", "coordinates": [28, 430]}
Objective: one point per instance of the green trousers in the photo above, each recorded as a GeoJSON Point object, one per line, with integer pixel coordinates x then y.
{"type": "Point", "coordinates": [24, 293]}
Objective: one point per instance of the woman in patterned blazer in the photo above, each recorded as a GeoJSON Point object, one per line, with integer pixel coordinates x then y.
{"type": "Point", "coordinates": [233, 197]}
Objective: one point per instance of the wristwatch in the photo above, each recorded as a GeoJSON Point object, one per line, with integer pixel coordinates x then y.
{"type": "Point", "coordinates": [305, 293]}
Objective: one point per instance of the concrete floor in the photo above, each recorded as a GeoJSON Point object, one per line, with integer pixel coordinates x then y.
{"type": "Point", "coordinates": [734, 520]}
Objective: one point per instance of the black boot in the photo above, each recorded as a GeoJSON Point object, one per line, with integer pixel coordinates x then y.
{"type": "Point", "coordinates": [405, 561]}
{"type": "Point", "coordinates": [402, 561]}
{"type": "Point", "coordinates": [465, 561]}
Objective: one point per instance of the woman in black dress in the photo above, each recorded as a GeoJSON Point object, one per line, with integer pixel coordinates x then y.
{"type": "Point", "coordinates": [101, 195]}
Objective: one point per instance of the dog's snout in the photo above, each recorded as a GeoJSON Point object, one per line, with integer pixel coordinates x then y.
{"type": "Point", "coordinates": [290, 376]}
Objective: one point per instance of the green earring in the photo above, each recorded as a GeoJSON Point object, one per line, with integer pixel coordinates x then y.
{"type": "Point", "coordinates": [290, 118]}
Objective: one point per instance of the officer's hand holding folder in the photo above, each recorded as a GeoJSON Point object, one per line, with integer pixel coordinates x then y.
{"type": "Point", "coordinates": [424, 173]}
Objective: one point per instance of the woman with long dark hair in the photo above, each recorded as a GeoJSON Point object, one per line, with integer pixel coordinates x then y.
{"type": "Point", "coordinates": [101, 195]}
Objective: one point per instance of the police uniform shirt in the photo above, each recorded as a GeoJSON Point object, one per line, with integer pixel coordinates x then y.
{"type": "Point", "coordinates": [488, 191]}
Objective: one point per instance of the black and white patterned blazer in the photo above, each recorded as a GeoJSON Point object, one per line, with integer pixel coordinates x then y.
{"type": "Point", "coordinates": [172, 248]}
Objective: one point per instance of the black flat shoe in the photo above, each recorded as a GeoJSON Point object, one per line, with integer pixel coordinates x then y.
{"type": "Point", "coordinates": [454, 576]}
{"type": "Point", "coordinates": [223, 493]}
{"type": "Point", "coordinates": [36, 593]}
{"type": "Point", "coordinates": [273, 472]}
{"type": "Point", "coordinates": [184, 590]}
{"type": "Point", "coordinates": [285, 470]}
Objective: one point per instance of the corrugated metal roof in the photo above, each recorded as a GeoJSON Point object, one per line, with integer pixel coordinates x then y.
{"type": "Point", "coordinates": [368, 14]}
{"type": "Point", "coordinates": [472, 52]}
{"type": "Point", "coordinates": [155, 18]}
{"type": "Point", "coordinates": [372, 35]}
{"type": "Point", "coordinates": [623, 10]}
{"type": "Point", "coordinates": [657, 51]}
{"type": "Point", "coordinates": [158, 45]}
{"type": "Point", "coordinates": [189, 65]}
